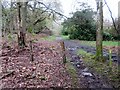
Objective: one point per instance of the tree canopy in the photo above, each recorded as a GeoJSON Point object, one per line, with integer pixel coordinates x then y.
{"type": "Point", "coordinates": [81, 24]}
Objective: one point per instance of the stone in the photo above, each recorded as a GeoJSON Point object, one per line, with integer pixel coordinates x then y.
{"type": "Point", "coordinates": [71, 49]}
{"type": "Point", "coordinates": [114, 55]}
{"type": "Point", "coordinates": [77, 47]}
{"type": "Point", "coordinates": [87, 74]}
{"type": "Point", "coordinates": [78, 66]}
{"type": "Point", "coordinates": [77, 62]}
{"type": "Point", "coordinates": [115, 59]}
{"type": "Point", "coordinates": [85, 70]}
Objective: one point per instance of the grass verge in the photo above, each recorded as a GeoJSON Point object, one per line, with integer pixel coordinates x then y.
{"type": "Point", "coordinates": [103, 69]}
{"type": "Point", "coordinates": [105, 43]}
{"type": "Point", "coordinates": [72, 72]}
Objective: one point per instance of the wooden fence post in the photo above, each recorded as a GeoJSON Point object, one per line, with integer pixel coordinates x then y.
{"type": "Point", "coordinates": [63, 49]}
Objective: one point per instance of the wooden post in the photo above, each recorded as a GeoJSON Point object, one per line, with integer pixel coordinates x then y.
{"type": "Point", "coordinates": [63, 49]}
{"type": "Point", "coordinates": [99, 32]}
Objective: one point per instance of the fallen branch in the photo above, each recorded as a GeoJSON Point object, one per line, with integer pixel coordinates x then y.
{"type": "Point", "coordinates": [7, 74]}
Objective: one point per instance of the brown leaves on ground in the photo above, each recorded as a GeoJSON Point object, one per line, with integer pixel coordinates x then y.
{"type": "Point", "coordinates": [46, 70]}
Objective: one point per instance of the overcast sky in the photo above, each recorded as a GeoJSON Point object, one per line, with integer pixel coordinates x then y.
{"type": "Point", "coordinates": [69, 6]}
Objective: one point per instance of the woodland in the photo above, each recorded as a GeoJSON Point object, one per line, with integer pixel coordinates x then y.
{"type": "Point", "coordinates": [40, 47]}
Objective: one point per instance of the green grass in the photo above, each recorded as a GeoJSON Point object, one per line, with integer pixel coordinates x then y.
{"type": "Point", "coordinates": [49, 38]}
{"type": "Point", "coordinates": [105, 43]}
{"type": "Point", "coordinates": [102, 68]}
{"type": "Point", "coordinates": [53, 38]}
{"type": "Point", "coordinates": [82, 52]}
{"type": "Point", "coordinates": [110, 43]}
{"type": "Point", "coordinates": [72, 72]}
{"type": "Point", "coordinates": [65, 37]}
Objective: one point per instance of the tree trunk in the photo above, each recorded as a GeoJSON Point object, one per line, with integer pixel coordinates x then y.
{"type": "Point", "coordinates": [21, 23]}
{"type": "Point", "coordinates": [99, 32]}
{"type": "Point", "coordinates": [119, 18]}
{"type": "Point", "coordinates": [24, 16]}
{"type": "Point", "coordinates": [1, 22]}
{"type": "Point", "coordinates": [34, 16]}
{"type": "Point", "coordinates": [11, 16]}
{"type": "Point", "coordinates": [119, 41]}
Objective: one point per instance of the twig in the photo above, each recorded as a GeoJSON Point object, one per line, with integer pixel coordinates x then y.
{"type": "Point", "coordinates": [31, 52]}
{"type": "Point", "coordinates": [39, 20]}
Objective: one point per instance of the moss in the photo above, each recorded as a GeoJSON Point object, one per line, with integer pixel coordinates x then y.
{"type": "Point", "coordinates": [99, 54]}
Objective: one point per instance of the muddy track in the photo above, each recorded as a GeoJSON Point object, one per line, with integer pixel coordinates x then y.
{"type": "Point", "coordinates": [88, 79]}
{"type": "Point", "coordinates": [89, 49]}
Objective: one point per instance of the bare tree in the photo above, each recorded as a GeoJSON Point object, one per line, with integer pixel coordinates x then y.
{"type": "Point", "coordinates": [11, 16]}
{"type": "Point", "coordinates": [99, 32]}
{"type": "Point", "coordinates": [22, 12]}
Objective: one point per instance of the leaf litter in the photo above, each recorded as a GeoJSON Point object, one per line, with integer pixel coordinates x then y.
{"type": "Point", "coordinates": [46, 70]}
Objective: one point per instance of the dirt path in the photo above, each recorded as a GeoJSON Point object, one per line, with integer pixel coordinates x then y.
{"type": "Point", "coordinates": [88, 79]}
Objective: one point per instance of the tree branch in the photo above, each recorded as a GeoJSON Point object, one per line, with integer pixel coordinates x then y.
{"type": "Point", "coordinates": [111, 16]}
{"type": "Point", "coordinates": [39, 20]}
{"type": "Point", "coordinates": [52, 10]}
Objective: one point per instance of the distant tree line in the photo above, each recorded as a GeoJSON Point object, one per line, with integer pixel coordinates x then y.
{"type": "Point", "coordinates": [82, 26]}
